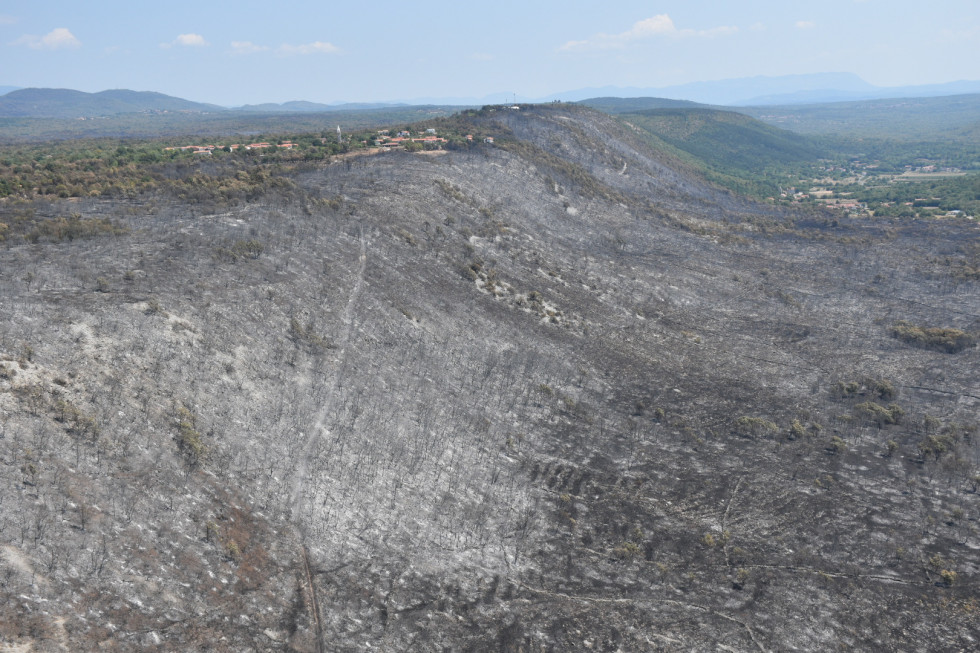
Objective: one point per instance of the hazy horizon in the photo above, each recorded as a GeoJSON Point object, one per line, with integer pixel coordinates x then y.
{"type": "Point", "coordinates": [233, 54]}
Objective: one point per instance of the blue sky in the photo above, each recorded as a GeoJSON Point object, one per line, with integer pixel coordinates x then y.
{"type": "Point", "coordinates": [233, 53]}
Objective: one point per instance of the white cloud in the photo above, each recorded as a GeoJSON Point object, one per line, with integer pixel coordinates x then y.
{"type": "Point", "coordinates": [187, 40]}
{"type": "Point", "coordinates": [317, 47]}
{"type": "Point", "coordinates": [7, 20]}
{"type": "Point", "coordinates": [247, 47]}
{"type": "Point", "coordinates": [657, 26]}
{"type": "Point", "coordinates": [57, 39]}
{"type": "Point", "coordinates": [805, 24]}
{"type": "Point", "coordinates": [481, 56]}
{"type": "Point", "coordinates": [191, 40]}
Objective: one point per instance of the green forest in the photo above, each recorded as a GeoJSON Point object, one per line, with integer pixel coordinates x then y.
{"type": "Point", "coordinates": [760, 160]}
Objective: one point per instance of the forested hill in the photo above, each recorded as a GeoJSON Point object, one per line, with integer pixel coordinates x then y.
{"type": "Point", "coordinates": [729, 148]}
{"type": "Point", "coordinates": [66, 103]}
{"type": "Point", "coordinates": [726, 139]}
{"type": "Point", "coordinates": [950, 118]}
{"type": "Point", "coordinates": [550, 393]}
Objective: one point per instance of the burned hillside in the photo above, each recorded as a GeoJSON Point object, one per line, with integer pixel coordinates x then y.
{"type": "Point", "coordinates": [554, 393]}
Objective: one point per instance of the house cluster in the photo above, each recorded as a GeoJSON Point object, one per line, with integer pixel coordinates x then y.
{"type": "Point", "coordinates": [208, 149]}
{"type": "Point", "coordinates": [847, 205]}
{"type": "Point", "coordinates": [791, 193]}
{"type": "Point", "coordinates": [932, 168]}
{"type": "Point", "coordinates": [386, 140]}
{"type": "Point", "coordinates": [400, 140]}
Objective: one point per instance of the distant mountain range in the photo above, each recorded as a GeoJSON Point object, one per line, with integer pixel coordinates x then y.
{"type": "Point", "coordinates": [744, 92]}
{"type": "Point", "coordinates": [67, 103]}
{"type": "Point", "coordinates": [633, 104]}
{"type": "Point", "coordinates": [301, 106]}
{"type": "Point", "coordinates": [944, 118]}
{"type": "Point", "coordinates": [786, 89]}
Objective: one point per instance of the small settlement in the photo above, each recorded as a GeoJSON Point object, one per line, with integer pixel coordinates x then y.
{"type": "Point", "coordinates": [207, 149]}
{"type": "Point", "coordinates": [383, 140]}
{"type": "Point", "coordinates": [427, 139]}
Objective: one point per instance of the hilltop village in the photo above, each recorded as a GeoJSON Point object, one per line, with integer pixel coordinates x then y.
{"type": "Point", "coordinates": [405, 139]}
{"type": "Point", "coordinates": [422, 138]}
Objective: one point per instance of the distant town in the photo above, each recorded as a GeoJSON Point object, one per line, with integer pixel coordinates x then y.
{"type": "Point", "coordinates": [860, 189]}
